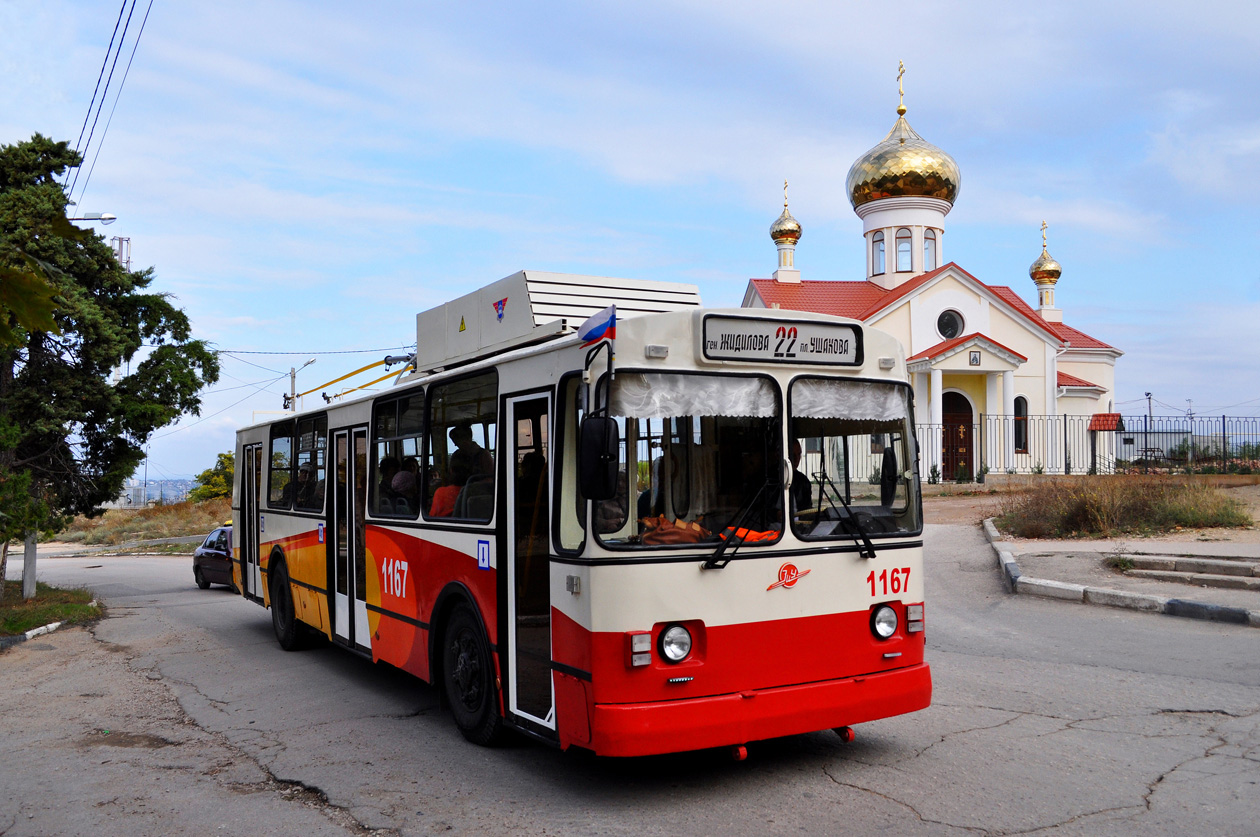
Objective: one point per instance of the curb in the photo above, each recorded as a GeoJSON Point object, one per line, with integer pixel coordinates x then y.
{"type": "Point", "coordinates": [10, 641]}
{"type": "Point", "coordinates": [1016, 582]}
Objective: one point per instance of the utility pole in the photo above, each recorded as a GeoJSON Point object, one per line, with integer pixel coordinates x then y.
{"type": "Point", "coordinates": [291, 404]}
{"type": "Point", "coordinates": [1190, 417]}
{"type": "Point", "coordinates": [1146, 437]}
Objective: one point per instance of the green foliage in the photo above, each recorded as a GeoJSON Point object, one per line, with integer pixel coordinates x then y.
{"type": "Point", "coordinates": [1108, 506]}
{"type": "Point", "coordinates": [67, 436]}
{"type": "Point", "coordinates": [962, 473]}
{"type": "Point", "coordinates": [934, 475]}
{"type": "Point", "coordinates": [217, 481]}
{"type": "Point", "coordinates": [51, 604]}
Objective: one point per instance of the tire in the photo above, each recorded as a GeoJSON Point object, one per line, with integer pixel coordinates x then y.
{"type": "Point", "coordinates": [200, 579]}
{"type": "Point", "coordinates": [468, 678]}
{"type": "Point", "coordinates": [283, 618]}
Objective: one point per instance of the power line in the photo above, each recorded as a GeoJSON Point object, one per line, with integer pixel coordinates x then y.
{"type": "Point", "coordinates": [342, 352]}
{"type": "Point", "coordinates": [109, 49]}
{"type": "Point", "coordinates": [104, 93]}
{"type": "Point", "coordinates": [118, 94]}
{"type": "Point", "coordinates": [224, 410]}
{"type": "Point", "coordinates": [255, 365]}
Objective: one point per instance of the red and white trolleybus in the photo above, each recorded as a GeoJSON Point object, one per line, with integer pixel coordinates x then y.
{"type": "Point", "coordinates": [597, 513]}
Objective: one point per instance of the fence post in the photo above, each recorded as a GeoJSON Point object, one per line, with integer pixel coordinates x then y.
{"type": "Point", "coordinates": [1224, 446]}
{"type": "Point", "coordinates": [1067, 456]}
{"type": "Point", "coordinates": [984, 456]}
{"type": "Point", "coordinates": [1146, 444]}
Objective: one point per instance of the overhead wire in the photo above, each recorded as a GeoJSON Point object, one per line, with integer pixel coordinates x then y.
{"type": "Point", "coordinates": [104, 93]}
{"type": "Point", "coordinates": [342, 352]}
{"type": "Point", "coordinates": [117, 94]}
{"type": "Point", "coordinates": [108, 50]}
{"type": "Point", "coordinates": [219, 412]}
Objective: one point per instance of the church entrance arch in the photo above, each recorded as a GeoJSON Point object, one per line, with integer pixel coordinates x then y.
{"type": "Point", "coordinates": [958, 424]}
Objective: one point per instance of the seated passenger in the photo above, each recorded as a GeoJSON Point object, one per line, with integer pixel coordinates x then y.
{"type": "Point", "coordinates": [405, 495]}
{"type": "Point", "coordinates": [447, 493]}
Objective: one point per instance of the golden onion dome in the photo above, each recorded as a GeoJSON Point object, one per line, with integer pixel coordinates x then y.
{"type": "Point", "coordinates": [786, 228]}
{"type": "Point", "coordinates": [903, 164]}
{"type": "Point", "coordinates": [1045, 271]}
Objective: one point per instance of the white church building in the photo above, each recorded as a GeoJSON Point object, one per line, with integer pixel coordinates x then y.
{"type": "Point", "coordinates": [999, 386]}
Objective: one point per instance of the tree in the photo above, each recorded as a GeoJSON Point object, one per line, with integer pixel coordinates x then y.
{"type": "Point", "coordinates": [215, 482]}
{"type": "Point", "coordinates": [67, 435]}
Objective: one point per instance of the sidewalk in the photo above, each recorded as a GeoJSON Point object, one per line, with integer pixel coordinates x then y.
{"type": "Point", "coordinates": [1078, 570]}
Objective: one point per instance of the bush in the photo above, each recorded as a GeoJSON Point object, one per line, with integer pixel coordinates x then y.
{"type": "Point", "coordinates": [1110, 506]}
{"type": "Point", "coordinates": [119, 526]}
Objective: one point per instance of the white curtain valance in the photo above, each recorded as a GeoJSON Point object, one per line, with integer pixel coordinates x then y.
{"type": "Point", "coordinates": [816, 398]}
{"type": "Point", "coordinates": [653, 395]}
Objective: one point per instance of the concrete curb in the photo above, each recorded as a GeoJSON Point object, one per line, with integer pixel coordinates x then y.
{"type": "Point", "coordinates": [1016, 582]}
{"type": "Point", "coordinates": [10, 641]}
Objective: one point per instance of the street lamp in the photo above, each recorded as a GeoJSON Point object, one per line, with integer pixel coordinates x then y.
{"type": "Point", "coordinates": [103, 217]}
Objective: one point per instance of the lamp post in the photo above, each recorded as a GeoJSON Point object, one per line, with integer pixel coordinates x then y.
{"type": "Point", "coordinates": [292, 399]}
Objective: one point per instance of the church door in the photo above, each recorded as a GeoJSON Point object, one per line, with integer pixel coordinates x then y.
{"type": "Point", "coordinates": [957, 429]}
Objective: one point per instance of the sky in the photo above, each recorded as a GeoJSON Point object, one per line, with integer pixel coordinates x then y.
{"type": "Point", "coordinates": [305, 177]}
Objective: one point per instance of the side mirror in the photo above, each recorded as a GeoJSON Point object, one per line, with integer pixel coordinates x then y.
{"type": "Point", "coordinates": [597, 457]}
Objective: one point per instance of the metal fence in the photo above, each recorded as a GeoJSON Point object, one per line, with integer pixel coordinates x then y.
{"type": "Point", "coordinates": [1067, 445]}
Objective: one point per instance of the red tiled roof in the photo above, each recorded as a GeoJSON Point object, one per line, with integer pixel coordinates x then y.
{"type": "Point", "coordinates": [940, 348]}
{"type": "Point", "coordinates": [840, 299]}
{"type": "Point", "coordinates": [1066, 380]}
{"type": "Point", "coordinates": [1106, 421]}
{"type": "Point", "coordinates": [1078, 338]}
{"type": "Point", "coordinates": [860, 300]}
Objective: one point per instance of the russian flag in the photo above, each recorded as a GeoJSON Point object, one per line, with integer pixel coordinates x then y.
{"type": "Point", "coordinates": [600, 326]}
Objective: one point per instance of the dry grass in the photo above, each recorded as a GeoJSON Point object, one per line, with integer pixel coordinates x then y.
{"type": "Point", "coordinates": [1119, 505]}
{"type": "Point", "coordinates": [119, 526]}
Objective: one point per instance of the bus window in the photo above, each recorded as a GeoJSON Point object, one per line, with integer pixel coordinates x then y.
{"type": "Point", "coordinates": [570, 526]}
{"type": "Point", "coordinates": [397, 428]}
{"type": "Point", "coordinates": [699, 454]}
{"type": "Point", "coordinates": [852, 455]}
{"type": "Point", "coordinates": [312, 441]}
{"type": "Point", "coordinates": [459, 472]}
{"type": "Point", "coordinates": [279, 494]}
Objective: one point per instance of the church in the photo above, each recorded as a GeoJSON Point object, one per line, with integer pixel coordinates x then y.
{"type": "Point", "coordinates": [999, 386]}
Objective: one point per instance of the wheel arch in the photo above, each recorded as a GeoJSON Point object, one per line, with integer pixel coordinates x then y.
{"type": "Point", "coordinates": [453, 594]}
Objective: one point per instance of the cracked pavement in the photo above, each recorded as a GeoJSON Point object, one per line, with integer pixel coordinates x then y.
{"type": "Point", "coordinates": [1047, 718]}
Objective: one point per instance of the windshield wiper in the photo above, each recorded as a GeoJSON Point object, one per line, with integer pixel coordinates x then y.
{"type": "Point", "coordinates": [866, 549]}
{"type": "Point", "coordinates": [715, 561]}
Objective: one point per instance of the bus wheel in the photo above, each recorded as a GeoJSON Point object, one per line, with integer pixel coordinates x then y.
{"type": "Point", "coordinates": [468, 677]}
{"type": "Point", "coordinates": [288, 633]}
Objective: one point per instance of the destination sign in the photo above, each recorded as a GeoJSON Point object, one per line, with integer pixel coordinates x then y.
{"type": "Point", "coordinates": [778, 341]}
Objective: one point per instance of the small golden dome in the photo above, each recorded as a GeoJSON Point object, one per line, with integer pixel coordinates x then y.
{"type": "Point", "coordinates": [786, 228]}
{"type": "Point", "coordinates": [903, 164]}
{"type": "Point", "coordinates": [1045, 271]}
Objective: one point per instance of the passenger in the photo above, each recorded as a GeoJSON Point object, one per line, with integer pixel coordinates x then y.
{"type": "Point", "coordinates": [446, 495]}
{"type": "Point", "coordinates": [388, 469]}
{"type": "Point", "coordinates": [802, 491]}
{"type": "Point", "coordinates": [404, 488]}
{"type": "Point", "coordinates": [469, 457]}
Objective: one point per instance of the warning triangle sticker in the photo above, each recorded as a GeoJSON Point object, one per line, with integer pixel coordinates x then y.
{"type": "Point", "coordinates": [462, 327]}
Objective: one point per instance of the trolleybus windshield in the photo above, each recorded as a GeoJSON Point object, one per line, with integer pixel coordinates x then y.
{"type": "Point", "coordinates": [696, 450]}
{"type": "Point", "coordinates": [852, 451]}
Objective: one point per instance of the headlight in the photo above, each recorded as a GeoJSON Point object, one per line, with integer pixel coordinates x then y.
{"type": "Point", "coordinates": [675, 643]}
{"type": "Point", "coordinates": [884, 622]}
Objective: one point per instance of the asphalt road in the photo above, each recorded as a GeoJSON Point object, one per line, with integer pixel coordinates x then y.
{"type": "Point", "coordinates": [182, 715]}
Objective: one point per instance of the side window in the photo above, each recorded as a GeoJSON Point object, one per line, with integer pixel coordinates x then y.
{"type": "Point", "coordinates": [221, 543]}
{"type": "Point", "coordinates": [280, 491]}
{"type": "Point", "coordinates": [877, 253]}
{"type": "Point", "coordinates": [570, 504]}
{"type": "Point", "coordinates": [1021, 424]}
{"type": "Point", "coordinates": [459, 477]}
{"type": "Point", "coordinates": [903, 250]}
{"type": "Point", "coordinates": [397, 428]}
{"type": "Point", "coordinates": [312, 443]}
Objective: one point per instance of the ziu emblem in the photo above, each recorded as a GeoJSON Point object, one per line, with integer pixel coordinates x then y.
{"type": "Point", "coordinates": [788, 576]}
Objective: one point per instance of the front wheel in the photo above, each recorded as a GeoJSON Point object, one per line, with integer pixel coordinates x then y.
{"type": "Point", "coordinates": [468, 678]}
{"type": "Point", "coordinates": [283, 619]}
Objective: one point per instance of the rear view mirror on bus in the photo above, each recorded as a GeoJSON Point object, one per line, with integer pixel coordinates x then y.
{"type": "Point", "coordinates": [597, 460]}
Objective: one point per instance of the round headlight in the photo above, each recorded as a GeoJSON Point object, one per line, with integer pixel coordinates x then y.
{"type": "Point", "coordinates": [884, 622]}
{"type": "Point", "coordinates": [675, 643]}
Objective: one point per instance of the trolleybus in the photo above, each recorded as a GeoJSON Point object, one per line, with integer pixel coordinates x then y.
{"type": "Point", "coordinates": [597, 513]}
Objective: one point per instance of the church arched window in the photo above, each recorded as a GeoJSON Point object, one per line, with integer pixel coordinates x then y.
{"type": "Point", "coordinates": [877, 253]}
{"type": "Point", "coordinates": [1021, 424]}
{"type": "Point", "coordinates": [929, 249]}
{"type": "Point", "coordinates": [903, 250]}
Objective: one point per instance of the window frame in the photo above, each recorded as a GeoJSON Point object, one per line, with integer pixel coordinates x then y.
{"type": "Point", "coordinates": [908, 240]}
{"type": "Point", "coordinates": [1020, 427]}
{"type": "Point", "coordinates": [426, 453]}
{"type": "Point", "coordinates": [962, 324]}
{"type": "Point", "coordinates": [879, 259]}
{"type": "Point", "coordinates": [394, 400]}
{"type": "Point", "coordinates": [929, 235]}
{"type": "Point", "coordinates": [274, 434]}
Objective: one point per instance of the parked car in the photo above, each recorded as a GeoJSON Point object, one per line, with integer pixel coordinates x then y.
{"type": "Point", "coordinates": [212, 562]}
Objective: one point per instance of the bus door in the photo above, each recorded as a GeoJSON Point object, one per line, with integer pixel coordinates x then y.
{"type": "Point", "coordinates": [528, 565]}
{"type": "Point", "coordinates": [246, 529]}
{"type": "Point", "coordinates": [349, 557]}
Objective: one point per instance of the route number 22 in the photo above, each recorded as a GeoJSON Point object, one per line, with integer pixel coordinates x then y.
{"type": "Point", "coordinates": [894, 582]}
